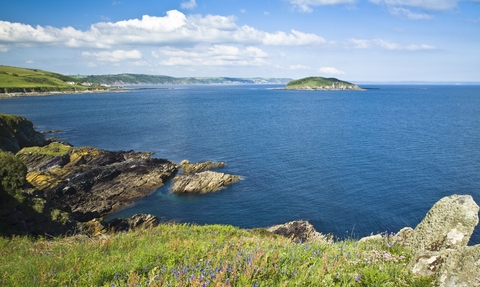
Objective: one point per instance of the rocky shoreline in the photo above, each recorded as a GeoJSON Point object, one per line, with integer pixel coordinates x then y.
{"type": "Point", "coordinates": [89, 183]}
{"type": "Point", "coordinates": [54, 188]}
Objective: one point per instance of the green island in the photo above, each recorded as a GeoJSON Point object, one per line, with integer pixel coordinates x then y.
{"type": "Point", "coordinates": [320, 83]}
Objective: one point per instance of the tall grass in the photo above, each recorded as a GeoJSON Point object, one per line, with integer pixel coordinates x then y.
{"type": "Point", "coordinates": [191, 255]}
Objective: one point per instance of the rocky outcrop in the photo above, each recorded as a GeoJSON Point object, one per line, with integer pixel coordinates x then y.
{"type": "Point", "coordinates": [189, 168]}
{"type": "Point", "coordinates": [197, 178]}
{"type": "Point", "coordinates": [135, 222]}
{"type": "Point", "coordinates": [448, 225]}
{"type": "Point", "coordinates": [17, 132]}
{"type": "Point", "coordinates": [90, 182]}
{"type": "Point", "coordinates": [299, 231]}
{"type": "Point", "coordinates": [203, 182]}
{"type": "Point", "coordinates": [440, 243]}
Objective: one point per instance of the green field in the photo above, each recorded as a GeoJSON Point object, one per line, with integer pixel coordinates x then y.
{"type": "Point", "coordinates": [18, 80]}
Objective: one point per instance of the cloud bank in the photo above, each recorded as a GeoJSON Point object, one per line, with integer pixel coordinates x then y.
{"type": "Point", "coordinates": [173, 28]}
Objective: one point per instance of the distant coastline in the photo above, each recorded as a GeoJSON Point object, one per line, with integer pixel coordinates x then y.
{"type": "Point", "coordinates": [57, 93]}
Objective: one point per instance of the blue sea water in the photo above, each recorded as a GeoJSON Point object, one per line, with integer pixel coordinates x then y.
{"type": "Point", "coordinates": [350, 162]}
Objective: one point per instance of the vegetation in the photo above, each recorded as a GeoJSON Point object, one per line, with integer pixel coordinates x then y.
{"type": "Point", "coordinates": [316, 82]}
{"type": "Point", "coordinates": [190, 255]}
{"type": "Point", "coordinates": [17, 80]}
{"type": "Point", "coordinates": [133, 79]}
{"type": "Point", "coordinates": [22, 209]}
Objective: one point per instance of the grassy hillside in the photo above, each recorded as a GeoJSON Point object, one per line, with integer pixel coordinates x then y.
{"type": "Point", "coordinates": [190, 255]}
{"type": "Point", "coordinates": [318, 83]}
{"type": "Point", "coordinates": [132, 79]}
{"type": "Point", "coordinates": [15, 80]}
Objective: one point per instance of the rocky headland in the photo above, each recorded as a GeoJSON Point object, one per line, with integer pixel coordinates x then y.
{"type": "Point", "coordinates": [90, 182]}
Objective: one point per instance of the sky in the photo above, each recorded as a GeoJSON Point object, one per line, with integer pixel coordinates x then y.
{"type": "Point", "coordinates": [354, 40]}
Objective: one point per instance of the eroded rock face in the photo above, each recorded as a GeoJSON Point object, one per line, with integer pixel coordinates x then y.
{"type": "Point", "coordinates": [299, 231]}
{"type": "Point", "coordinates": [449, 224]}
{"type": "Point", "coordinates": [90, 182]}
{"type": "Point", "coordinates": [203, 182]}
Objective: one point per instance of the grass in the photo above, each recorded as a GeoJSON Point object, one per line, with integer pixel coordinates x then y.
{"type": "Point", "coordinates": [191, 255]}
{"type": "Point", "coordinates": [14, 80]}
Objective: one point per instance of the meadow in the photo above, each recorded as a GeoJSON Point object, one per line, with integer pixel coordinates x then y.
{"type": "Point", "coordinates": [212, 255]}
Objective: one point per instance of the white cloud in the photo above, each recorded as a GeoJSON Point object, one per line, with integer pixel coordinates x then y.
{"type": "Point", "coordinates": [386, 45]}
{"type": "Point", "coordinates": [331, 71]}
{"type": "Point", "coordinates": [172, 29]}
{"type": "Point", "coordinates": [299, 67]}
{"type": "Point", "coordinates": [189, 5]}
{"type": "Point", "coordinates": [437, 5]}
{"type": "Point", "coordinates": [306, 5]}
{"type": "Point", "coordinates": [114, 56]}
{"type": "Point", "coordinates": [214, 55]}
{"type": "Point", "coordinates": [296, 38]}
{"type": "Point", "coordinates": [409, 14]}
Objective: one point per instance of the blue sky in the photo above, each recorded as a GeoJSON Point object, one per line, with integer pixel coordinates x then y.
{"type": "Point", "coordinates": [355, 40]}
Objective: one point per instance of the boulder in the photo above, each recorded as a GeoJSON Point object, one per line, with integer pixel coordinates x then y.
{"type": "Point", "coordinates": [299, 231]}
{"type": "Point", "coordinates": [449, 224]}
{"type": "Point", "coordinates": [203, 182]}
{"type": "Point", "coordinates": [440, 243]}
{"type": "Point", "coordinates": [460, 268]}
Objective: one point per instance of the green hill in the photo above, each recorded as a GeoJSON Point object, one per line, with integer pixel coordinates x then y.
{"type": "Point", "coordinates": [142, 79]}
{"type": "Point", "coordinates": [320, 83]}
{"type": "Point", "coordinates": [21, 80]}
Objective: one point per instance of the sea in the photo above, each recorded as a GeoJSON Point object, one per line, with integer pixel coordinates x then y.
{"type": "Point", "coordinates": [352, 163]}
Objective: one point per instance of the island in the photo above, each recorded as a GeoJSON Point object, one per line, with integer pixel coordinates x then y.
{"type": "Point", "coordinates": [320, 83]}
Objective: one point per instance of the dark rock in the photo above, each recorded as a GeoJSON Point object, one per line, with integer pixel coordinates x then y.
{"type": "Point", "coordinates": [135, 222]}
{"type": "Point", "coordinates": [91, 182]}
{"type": "Point", "coordinates": [299, 231]}
{"type": "Point", "coordinates": [203, 182]}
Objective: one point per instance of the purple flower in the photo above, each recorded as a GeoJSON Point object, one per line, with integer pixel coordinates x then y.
{"type": "Point", "coordinates": [358, 278]}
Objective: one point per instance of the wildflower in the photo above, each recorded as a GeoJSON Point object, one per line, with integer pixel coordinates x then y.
{"type": "Point", "coordinates": [358, 278]}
